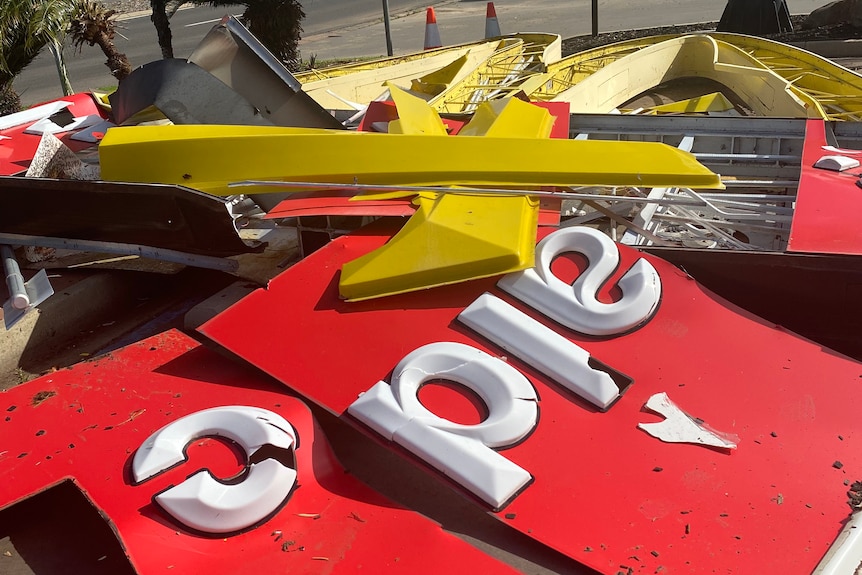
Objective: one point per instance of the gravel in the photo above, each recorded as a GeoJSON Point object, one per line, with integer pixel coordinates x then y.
{"type": "Point", "coordinates": [128, 6]}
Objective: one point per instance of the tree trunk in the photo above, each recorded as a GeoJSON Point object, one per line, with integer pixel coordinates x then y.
{"type": "Point", "coordinates": [117, 62]}
{"type": "Point", "coordinates": [57, 51]}
{"type": "Point", "coordinates": [163, 27]}
{"type": "Point", "coordinates": [9, 100]}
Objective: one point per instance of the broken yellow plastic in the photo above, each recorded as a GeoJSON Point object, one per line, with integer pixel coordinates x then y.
{"type": "Point", "coordinates": [763, 91]}
{"type": "Point", "coordinates": [509, 118]}
{"type": "Point", "coordinates": [209, 158]}
{"type": "Point", "coordinates": [451, 238]}
{"type": "Point", "coordinates": [415, 116]}
{"type": "Point", "coordinates": [437, 81]}
{"type": "Point", "coordinates": [715, 102]}
{"type": "Point", "coordinates": [503, 118]}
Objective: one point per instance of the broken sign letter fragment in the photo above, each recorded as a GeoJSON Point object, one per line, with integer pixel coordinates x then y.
{"type": "Point", "coordinates": [679, 427]}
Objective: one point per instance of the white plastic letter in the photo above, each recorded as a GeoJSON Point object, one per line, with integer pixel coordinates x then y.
{"type": "Point", "coordinates": [461, 452]}
{"type": "Point", "coordinates": [575, 306]}
{"type": "Point", "coordinates": [203, 503]}
{"type": "Point", "coordinates": [541, 347]}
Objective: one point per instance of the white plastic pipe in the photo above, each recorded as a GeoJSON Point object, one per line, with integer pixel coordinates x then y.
{"type": "Point", "coordinates": [14, 279]}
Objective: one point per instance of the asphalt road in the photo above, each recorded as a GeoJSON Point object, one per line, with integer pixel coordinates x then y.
{"type": "Point", "coordinates": [87, 69]}
{"type": "Point", "coordinates": [352, 28]}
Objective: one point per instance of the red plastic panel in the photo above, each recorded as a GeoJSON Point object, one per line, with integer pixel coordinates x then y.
{"type": "Point", "coordinates": [17, 151]}
{"type": "Point", "coordinates": [86, 423]}
{"type": "Point", "coordinates": [385, 111]}
{"type": "Point", "coordinates": [338, 203]}
{"type": "Point", "coordinates": [560, 112]}
{"type": "Point", "coordinates": [605, 492]}
{"type": "Point", "coordinates": [826, 200]}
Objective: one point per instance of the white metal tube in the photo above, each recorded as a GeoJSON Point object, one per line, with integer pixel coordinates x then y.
{"type": "Point", "coordinates": [14, 279]}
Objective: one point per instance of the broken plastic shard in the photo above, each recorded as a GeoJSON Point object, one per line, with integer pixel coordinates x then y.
{"type": "Point", "coordinates": [680, 427]}
{"type": "Point", "coordinates": [836, 163]}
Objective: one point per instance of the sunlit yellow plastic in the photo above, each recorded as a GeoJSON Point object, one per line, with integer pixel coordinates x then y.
{"type": "Point", "coordinates": [208, 158]}
{"type": "Point", "coordinates": [504, 118]}
{"type": "Point", "coordinates": [415, 116]}
{"type": "Point", "coordinates": [698, 55]}
{"type": "Point", "coordinates": [451, 238]}
{"type": "Point", "coordinates": [365, 82]}
{"type": "Point", "coordinates": [509, 118]}
{"type": "Point", "coordinates": [478, 85]}
{"type": "Point", "coordinates": [435, 82]}
{"type": "Point", "coordinates": [715, 102]}
{"type": "Point", "coordinates": [830, 90]}
{"type": "Point", "coordinates": [102, 101]}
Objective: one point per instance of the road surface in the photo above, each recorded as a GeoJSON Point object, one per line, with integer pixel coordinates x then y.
{"type": "Point", "coordinates": [353, 28]}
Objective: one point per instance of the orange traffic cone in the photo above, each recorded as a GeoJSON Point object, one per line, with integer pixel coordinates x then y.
{"type": "Point", "coordinates": [432, 34]}
{"type": "Point", "coordinates": [492, 26]}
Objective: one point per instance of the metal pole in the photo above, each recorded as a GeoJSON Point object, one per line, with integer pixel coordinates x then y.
{"type": "Point", "coordinates": [386, 26]}
{"type": "Point", "coordinates": [595, 17]}
{"type": "Point", "coordinates": [208, 262]}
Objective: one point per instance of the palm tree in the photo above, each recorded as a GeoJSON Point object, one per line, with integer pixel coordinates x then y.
{"type": "Point", "coordinates": [278, 26]}
{"type": "Point", "coordinates": [163, 11]}
{"type": "Point", "coordinates": [28, 26]}
{"type": "Point", "coordinates": [162, 23]}
{"type": "Point", "coordinates": [276, 23]}
{"type": "Point", "coordinates": [93, 24]}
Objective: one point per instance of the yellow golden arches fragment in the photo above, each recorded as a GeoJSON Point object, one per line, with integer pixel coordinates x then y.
{"type": "Point", "coordinates": [453, 237]}
{"type": "Point", "coordinates": [209, 158]}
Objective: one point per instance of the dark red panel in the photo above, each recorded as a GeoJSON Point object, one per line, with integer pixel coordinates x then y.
{"type": "Point", "coordinates": [17, 151]}
{"type": "Point", "coordinates": [823, 221]}
{"type": "Point", "coordinates": [338, 203]}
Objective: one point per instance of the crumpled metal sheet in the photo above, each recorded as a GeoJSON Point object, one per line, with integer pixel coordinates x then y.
{"type": "Point", "coordinates": [181, 92]}
{"type": "Point", "coordinates": [155, 215]}
{"type": "Point", "coordinates": [233, 55]}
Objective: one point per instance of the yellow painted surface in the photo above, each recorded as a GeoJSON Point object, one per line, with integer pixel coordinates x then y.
{"type": "Point", "coordinates": [765, 92]}
{"type": "Point", "coordinates": [208, 158]}
{"type": "Point", "coordinates": [715, 102]}
{"type": "Point", "coordinates": [451, 238]}
{"type": "Point", "coordinates": [438, 81]}
{"type": "Point", "coordinates": [364, 83]}
{"type": "Point", "coordinates": [828, 89]}
{"type": "Point", "coordinates": [509, 118]}
{"type": "Point", "coordinates": [836, 90]}
{"type": "Point", "coordinates": [519, 58]}
{"type": "Point", "coordinates": [415, 116]}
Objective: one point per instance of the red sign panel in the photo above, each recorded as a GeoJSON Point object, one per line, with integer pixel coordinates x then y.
{"type": "Point", "coordinates": [17, 147]}
{"type": "Point", "coordinates": [824, 200]}
{"type": "Point", "coordinates": [96, 424]}
{"type": "Point", "coordinates": [559, 458]}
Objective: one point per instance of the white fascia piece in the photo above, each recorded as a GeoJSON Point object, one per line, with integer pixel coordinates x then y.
{"type": "Point", "coordinates": [575, 306]}
{"type": "Point", "coordinates": [32, 114]}
{"type": "Point", "coordinates": [462, 452]}
{"type": "Point", "coordinates": [845, 555]}
{"type": "Point", "coordinates": [680, 427]}
{"type": "Point", "coordinates": [205, 504]}
{"type": "Point", "coordinates": [202, 502]}
{"type": "Point", "coordinates": [540, 347]}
